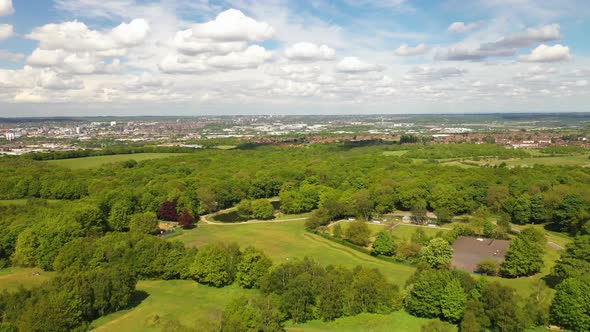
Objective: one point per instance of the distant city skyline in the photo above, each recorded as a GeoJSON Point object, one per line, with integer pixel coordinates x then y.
{"type": "Point", "coordinates": [200, 57]}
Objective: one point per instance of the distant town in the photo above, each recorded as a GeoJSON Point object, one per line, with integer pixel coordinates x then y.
{"type": "Point", "coordinates": [27, 135]}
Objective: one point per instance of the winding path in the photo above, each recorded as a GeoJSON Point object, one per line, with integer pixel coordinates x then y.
{"type": "Point", "coordinates": [204, 219]}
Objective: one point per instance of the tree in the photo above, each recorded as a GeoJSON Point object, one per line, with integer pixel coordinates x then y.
{"type": "Point", "coordinates": [438, 253]}
{"type": "Point", "coordinates": [214, 264]}
{"type": "Point", "coordinates": [436, 294]}
{"type": "Point", "coordinates": [299, 298]}
{"type": "Point", "coordinates": [501, 306]}
{"type": "Point", "coordinates": [574, 261]}
{"type": "Point", "coordinates": [437, 326]}
{"type": "Point", "coordinates": [525, 254]}
{"type": "Point", "coordinates": [262, 209]}
{"type": "Point", "coordinates": [120, 215]}
{"type": "Point", "coordinates": [489, 267]}
{"type": "Point", "coordinates": [474, 318]}
{"type": "Point", "coordinates": [358, 233]}
{"type": "Point", "coordinates": [571, 304]}
{"type": "Point", "coordinates": [168, 211]}
{"type": "Point", "coordinates": [567, 212]}
{"type": "Point", "coordinates": [363, 205]}
{"type": "Point", "coordinates": [370, 292]}
{"type": "Point", "coordinates": [332, 293]}
{"type": "Point", "coordinates": [186, 219]}
{"type": "Point", "coordinates": [144, 223]}
{"type": "Point", "coordinates": [384, 244]}
{"type": "Point", "coordinates": [244, 209]}
{"type": "Point", "coordinates": [253, 265]}
{"type": "Point", "coordinates": [337, 230]}
{"type": "Point", "coordinates": [419, 212]}
{"type": "Point", "coordinates": [521, 210]}
{"type": "Point", "coordinates": [420, 237]}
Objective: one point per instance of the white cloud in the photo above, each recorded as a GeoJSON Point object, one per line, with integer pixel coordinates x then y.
{"type": "Point", "coordinates": [83, 63]}
{"type": "Point", "coordinates": [354, 65]}
{"type": "Point", "coordinates": [405, 50]}
{"type": "Point", "coordinates": [526, 38]}
{"type": "Point", "coordinates": [545, 53]}
{"type": "Point", "coordinates": [76, 36]}
{"type": "Point", "coordinates": [252, 57]}
{"type": "Point", "coordinates": [181, 64]}
{"type": "Point", "coordinates": [233, 25]}
{"type": "Point", "coordinates": [505, 46]}
{"type": "Point", "coordinates": [461, 27]}
{"type": "Point", "coordinates": [430, 73]}
{"type": "Point", "coordinates": [186, 43]}
{"type": "Point", "coordinates": [131, 34]}
{"type": "Point", "coordinates": [30, 97]}
{"type": "Point", "coordinates": [51, 80]}
{"type": "Point", "coordinates": [46, 58]}
{"type": "Point", "coordinates": [6, 8]}
{"type": "Point", "coordinates": [6, 31]}
{"type": "Point", "coordinates": [305, 51]}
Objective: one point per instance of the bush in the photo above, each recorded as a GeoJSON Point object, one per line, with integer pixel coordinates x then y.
{"type": "Point", "coordinates": [489, 267]}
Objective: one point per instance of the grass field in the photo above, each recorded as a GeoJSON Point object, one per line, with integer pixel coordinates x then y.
{"type": "Point", "coordinates": [195, 306]}
{"type": "Point", "coordinates": [13, 277]}
{"type": "Point", "coordinates": [576, 160]}
{"type": "Point", "coordinates": [91, 162]}
{"type": "Point", "coordinates": [400, 232]}
{"type": "Point", "coordinates": [395, 153]}
{"type": "Point", "coordinates": [399, 321]}
{"type": "Point", "coordinates": [7, 202]}
{"type": "Point", "coordinates": [288, 240]}
{"type": "Point", "coordinates": [185, 301]}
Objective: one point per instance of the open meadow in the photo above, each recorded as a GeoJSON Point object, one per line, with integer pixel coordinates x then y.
{"type": "Point", "coordinates": [97, 161]}
{"type": "Point", "coordinates": [282, 241]}
{"type": "Point", "coordinates": [12, 278]}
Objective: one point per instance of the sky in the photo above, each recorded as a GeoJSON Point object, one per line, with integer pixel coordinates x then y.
{"type": "Point", "coordinates": [200, 57]}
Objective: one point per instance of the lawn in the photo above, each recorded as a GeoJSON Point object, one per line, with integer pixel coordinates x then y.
{"type": "Point", "coordinates": [185, 301]}
{"type": "Point", "coordinates": [395, 153]}
{"type": "Point", "coordinates": [23, 201]}
{"type": "Point", "coordinates": [7, 202]}
{"type": "Point", "coordinates": [91, 162]}
{"type": "Point", "coordinates": [575, 160]}
{"type": "Point", "coordinates": [13, 277]}
{"type": "Point", "coordinates": [197, 306]}
{"type": "Point", "coordinates": [400, 231]}
{"type": "Point", "coordinates": [288, 240]}
{"type": "Point", "coordinates": [399, 321]}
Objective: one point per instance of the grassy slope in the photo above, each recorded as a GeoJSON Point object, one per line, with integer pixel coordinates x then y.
{"type": "Point", "coordinates": [288, 240]}
{"type": "Point", "coordinates": [399, 321]}
{"type": "Point", "coordinates": [13, 277]}
{"type": "Point", "coordinates": [576, 160]}
{"type": "Point", "coordinates": [182, 300]}
{"type": "Point", "coordinates": [90, 162]}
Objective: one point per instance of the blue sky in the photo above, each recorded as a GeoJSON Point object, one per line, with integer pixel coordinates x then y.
{"type": "Point", "coordinates": [168, 57]}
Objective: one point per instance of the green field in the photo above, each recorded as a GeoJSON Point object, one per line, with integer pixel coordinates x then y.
{"type": "Point", "coordinates": [289, 240]}
{"type": "Point", "coordinates": [197, 306]}
{"type": "Point", "coordinates": [576, 160]}
{"type": "Point", "coordinates": [91, 162]}
{"type": "Point", "coordinates": [185, 301]}
{"type": "Point", "coordinates": [400, 231]}
{"type": "Point", "coordinates": [7, 202]}
{"type": "Point", "coordinates": [13, 277]}
{"type": "Point", "coordinates": [399, 321]}
{"type": "Point", "coordinates": [23, 201]}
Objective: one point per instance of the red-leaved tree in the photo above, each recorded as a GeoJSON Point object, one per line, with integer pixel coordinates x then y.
{"type": "Point", "coordinates": [186, 219]}
{"type": "Point", "coordinates": [168, 211]}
